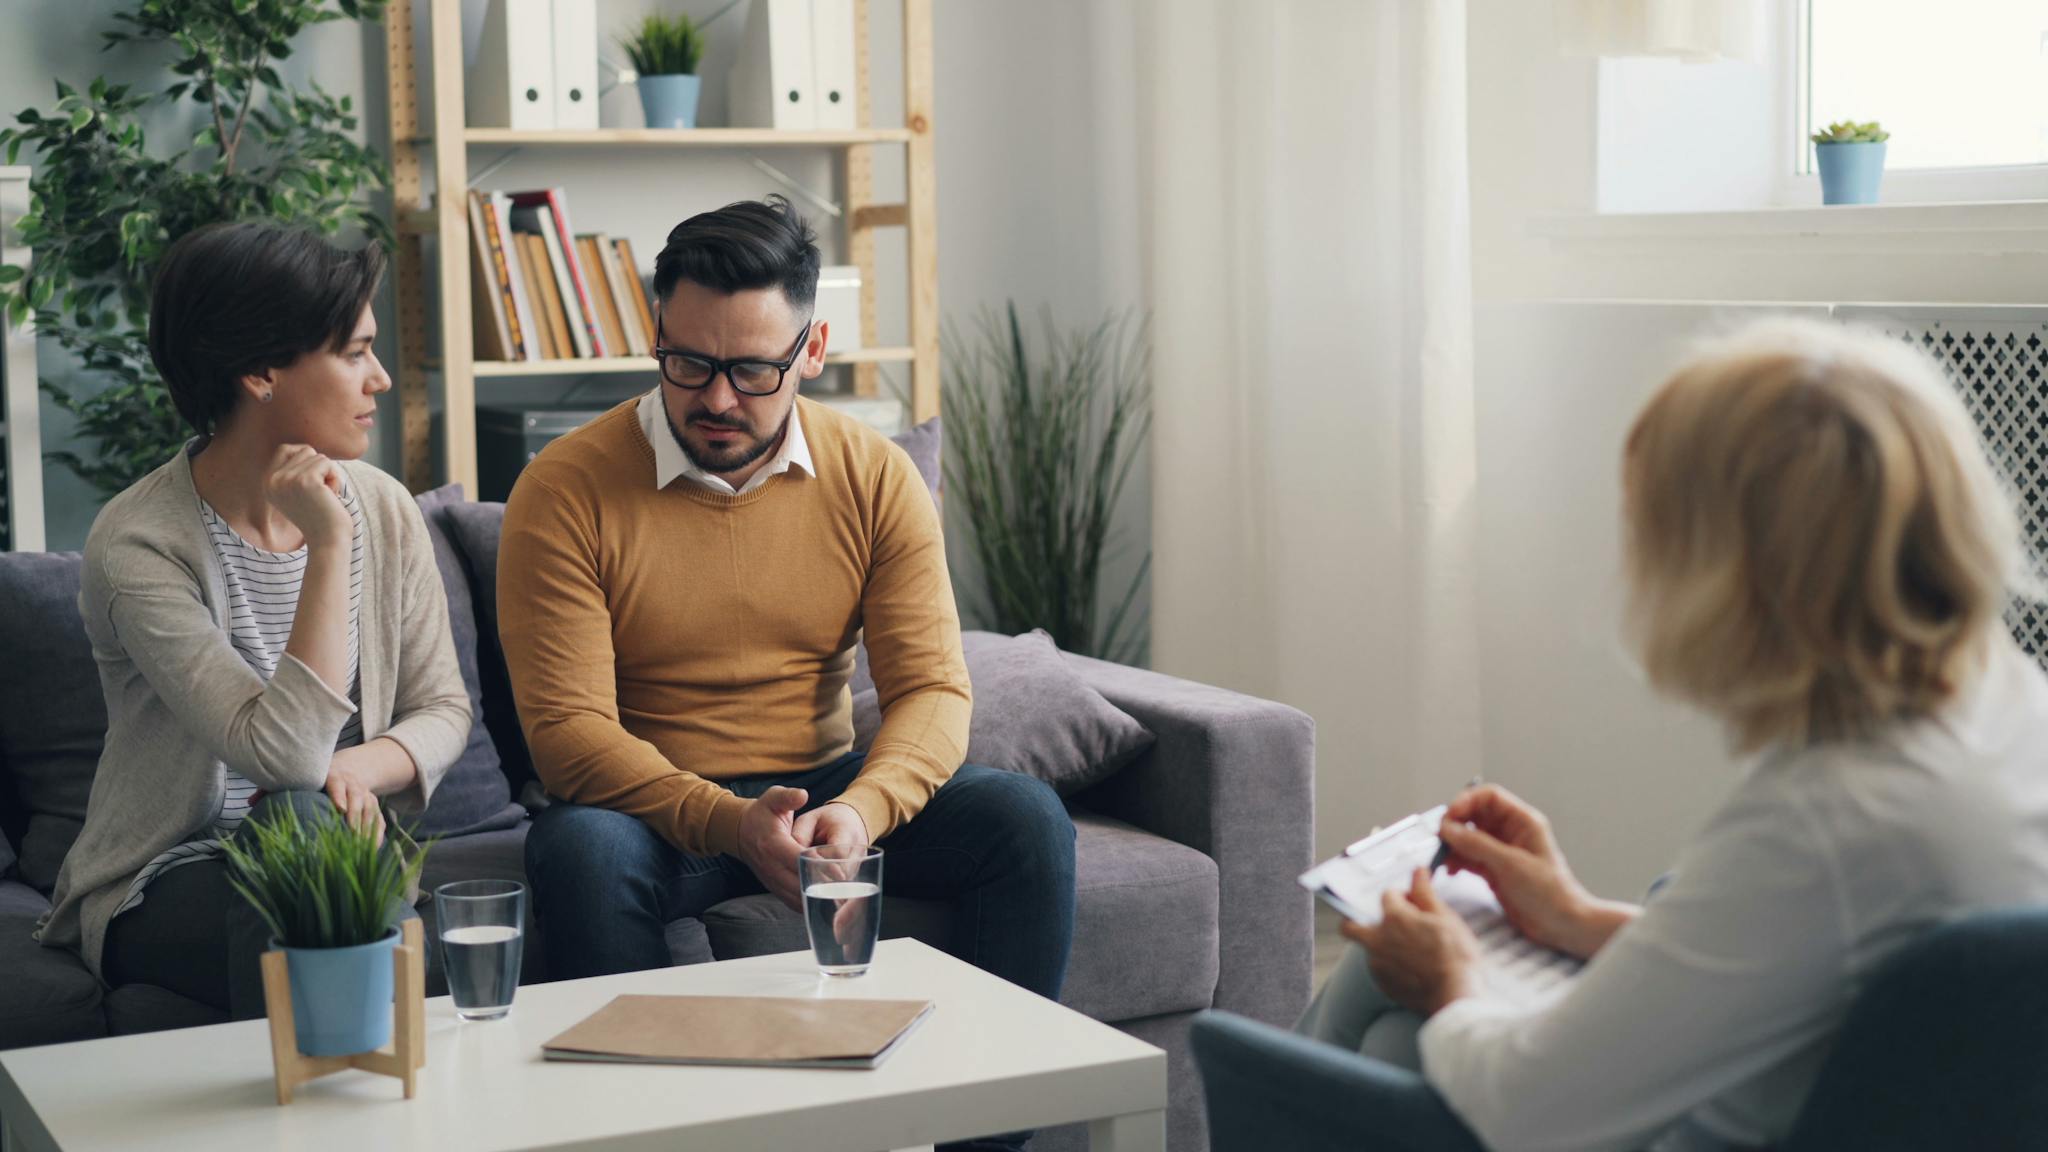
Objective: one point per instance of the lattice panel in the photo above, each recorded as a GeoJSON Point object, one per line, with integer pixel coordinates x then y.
{"type": "Point", "coordinates": [2001, 372]}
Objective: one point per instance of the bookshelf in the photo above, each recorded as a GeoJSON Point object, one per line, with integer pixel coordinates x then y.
{"type": "Point", "coordinates": [430, 169]}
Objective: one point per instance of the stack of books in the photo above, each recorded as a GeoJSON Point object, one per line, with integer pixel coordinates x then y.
{"type": "Point", "coordinates": [543, 292]}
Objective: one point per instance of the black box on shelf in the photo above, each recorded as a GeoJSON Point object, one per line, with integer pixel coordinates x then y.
{"type": "Point", "coordinates": [506, 438]}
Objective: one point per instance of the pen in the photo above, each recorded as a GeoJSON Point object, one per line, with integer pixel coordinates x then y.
{"type": "Point", "coordinates": [1443, 849]}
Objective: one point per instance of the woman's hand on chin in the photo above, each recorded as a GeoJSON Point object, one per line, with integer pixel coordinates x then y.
{"type": "Point", "coordinates": [1422, 954]}
{"type": "Point", "coordinates": [306, 487]}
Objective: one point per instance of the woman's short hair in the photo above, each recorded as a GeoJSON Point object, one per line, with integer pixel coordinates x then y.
{"type": "Point", "coordinates": [1816, 543]}
{"type": "Point", "coordinates": [234, 300]}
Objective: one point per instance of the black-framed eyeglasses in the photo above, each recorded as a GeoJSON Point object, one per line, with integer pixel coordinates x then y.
{"type": "Point", "coordinates": [750, 377]}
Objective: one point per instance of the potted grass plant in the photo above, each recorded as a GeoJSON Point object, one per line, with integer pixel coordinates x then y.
{"type": "Point", "coordinates": [332, 898]}
{"type": "Point", "coordinates": [1851, 161]}
{"type": "Point", "coordinates": [665, 51]}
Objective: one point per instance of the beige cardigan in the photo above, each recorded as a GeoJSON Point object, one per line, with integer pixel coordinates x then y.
{"type": "Point", "coordinates": [182, 703]}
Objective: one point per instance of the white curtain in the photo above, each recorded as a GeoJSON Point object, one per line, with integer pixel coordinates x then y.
{"type": "Point", "coordinates": [1304, 167]}
{"type": "Point", "coordinates": [1692, 30]}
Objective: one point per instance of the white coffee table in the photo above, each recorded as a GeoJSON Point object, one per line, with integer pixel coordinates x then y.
{"type": "Point", "coordinates": [990, 1058]}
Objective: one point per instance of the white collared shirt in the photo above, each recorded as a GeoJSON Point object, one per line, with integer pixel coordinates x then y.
{"type": "Point", "coordinates": [670, 461]}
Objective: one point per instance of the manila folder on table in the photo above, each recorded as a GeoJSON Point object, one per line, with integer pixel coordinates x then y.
{"type": "Point", "coordinates": [778, 1032]}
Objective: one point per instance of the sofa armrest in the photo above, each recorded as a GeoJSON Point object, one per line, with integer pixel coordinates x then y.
{"type": "Point", "coordinates": [1232, 776]}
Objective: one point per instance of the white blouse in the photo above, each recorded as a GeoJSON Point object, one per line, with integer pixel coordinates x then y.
{"type": "Point", "coordinates": [1705, 1022]}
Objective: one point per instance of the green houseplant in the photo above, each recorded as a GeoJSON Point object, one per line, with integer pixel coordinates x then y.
{"type": "Point", "coordinates": [1851, 161]}
{"type": "Point", "coordinates": [1041, 435]}
{"type": "Point", "coordinates": [332, 897]}
{"type": "Point", "coordinates": [104, 204]}
{"type": "Point", "coordinates": [665, 52]}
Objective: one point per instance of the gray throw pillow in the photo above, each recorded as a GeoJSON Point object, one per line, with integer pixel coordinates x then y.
{"type": "Point", "coordinates": [53, 718]}
{"type": "Point", "coordinates": [477, 528]}
{"type": "Point", "coordinates": [473, 796]}
{"type": "Point", "coordinates": [1032, 714]}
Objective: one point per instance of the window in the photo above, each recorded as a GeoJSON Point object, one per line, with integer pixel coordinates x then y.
{"type": "Point", "coordinates": [1958, 83]}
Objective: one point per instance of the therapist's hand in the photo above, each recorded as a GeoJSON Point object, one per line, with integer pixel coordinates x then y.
{"type": "Point", "coordinates": [1422, 955]}
{"type": "Point", "coordinates": [1505, 841]}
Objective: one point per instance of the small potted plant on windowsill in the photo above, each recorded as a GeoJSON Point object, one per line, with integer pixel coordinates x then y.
{"type": "Point", "coordinates": [665, 53]}
{"type": "Point", "coordinates": [332, 898]}
{"type": "Point", "coordinates": [1851, 161]}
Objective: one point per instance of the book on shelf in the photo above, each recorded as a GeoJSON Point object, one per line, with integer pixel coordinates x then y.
{"type": "Point", "coordinates": [547, 211]}
{"type": "Point", "coordinates": [491, 328]}
{"type": "Point", "coordinates": [631, 268]}
{"type": "Point", "coordinates": [606, 256]}
{"type": "Point", "coordinates": [540, 282]}
{"type": "Point", "coordinates": [497, 210]}
{"type": "Point", "coordinates": [601, 295]}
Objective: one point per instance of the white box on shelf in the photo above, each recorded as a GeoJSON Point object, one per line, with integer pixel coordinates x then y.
{"type": "Point", "coordinates": [838, 305]}
{"type": "Point", "coordinates": [512, 84]}
{"type": "Point", "coordinates": [884, 414]}
{"type": "Point", "coordinates": [770, 85]}
{"type": "Point", "coordinates": [837, 84]}
{"type": "Point", "coordinates": [575, 65]}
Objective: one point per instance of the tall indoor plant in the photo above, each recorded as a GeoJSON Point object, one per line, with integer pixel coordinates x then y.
{"type": "Point", "coordinates": [1041, 434]}
{"type": "Point", "coordinates": [104, 205]}
{"type": "Point", "coordinates": [331, 897]}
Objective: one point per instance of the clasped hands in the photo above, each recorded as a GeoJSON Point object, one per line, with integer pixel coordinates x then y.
{"type": "Point", "coordinates": [1423, 955]}
{"type": "Point", "coordinates": [772, 833]}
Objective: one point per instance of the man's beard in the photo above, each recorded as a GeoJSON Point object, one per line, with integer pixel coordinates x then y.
{"type": "Point", "coordinates": [726, 460]}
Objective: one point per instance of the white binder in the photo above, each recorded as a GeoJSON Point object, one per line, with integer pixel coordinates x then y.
{"type": "Point", "coordinates": [832, 49]}
{"type": "Point", "coordinates": [513, 82]}
{"type": "Point", "coordinates": [772, 80]}
{"type": "Point", "coordinates": [575, 65]}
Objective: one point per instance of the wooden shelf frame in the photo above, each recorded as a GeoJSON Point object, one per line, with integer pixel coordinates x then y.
{"type": "Point", "coordinates": [442, 136]}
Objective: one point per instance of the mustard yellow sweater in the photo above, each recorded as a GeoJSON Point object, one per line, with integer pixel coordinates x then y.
{"type": "Point", "coordinates": [662, 639]}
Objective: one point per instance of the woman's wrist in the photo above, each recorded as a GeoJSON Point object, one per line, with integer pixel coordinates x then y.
{"type": "Point", "coordinates": [1593, 922]}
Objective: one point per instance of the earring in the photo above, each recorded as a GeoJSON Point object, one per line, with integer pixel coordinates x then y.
{"type": "Point", "coordinates": [265, 397]}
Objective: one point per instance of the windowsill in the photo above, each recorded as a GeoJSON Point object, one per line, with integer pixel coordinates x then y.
{"type": "Point", "coordinates": [1987, 226]}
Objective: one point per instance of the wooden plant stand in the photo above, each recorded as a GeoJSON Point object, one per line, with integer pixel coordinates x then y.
{"type": "Point", "coordinates": [402, 1058]}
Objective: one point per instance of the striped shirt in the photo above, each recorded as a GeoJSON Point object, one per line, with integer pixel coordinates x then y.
{"type": "Point", "coordinates": [263, 598]}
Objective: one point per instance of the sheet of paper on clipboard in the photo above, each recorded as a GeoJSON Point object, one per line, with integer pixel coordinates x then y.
{"type": "Point", "coordinates": [1511, 965]}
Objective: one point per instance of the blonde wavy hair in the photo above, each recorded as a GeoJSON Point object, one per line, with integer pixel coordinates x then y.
{"type": "Point", "coordinates": [1816, 544]}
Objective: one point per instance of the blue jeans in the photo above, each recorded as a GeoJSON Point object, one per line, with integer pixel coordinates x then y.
{"type": "Point", "coordinates": [999, 845]}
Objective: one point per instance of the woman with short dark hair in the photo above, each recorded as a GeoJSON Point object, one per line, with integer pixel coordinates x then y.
{"type": "Point", "coordinates": [264, 609]}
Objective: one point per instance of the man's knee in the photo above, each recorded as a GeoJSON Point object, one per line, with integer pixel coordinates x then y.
{"type": "Point", "coordinates": [576, 842]}
{"type": "Point", "coordinates": [1020, 811]}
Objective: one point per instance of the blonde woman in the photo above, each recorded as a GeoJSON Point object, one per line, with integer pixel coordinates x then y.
{"type": "Point", "coordinates": [1818, 555]}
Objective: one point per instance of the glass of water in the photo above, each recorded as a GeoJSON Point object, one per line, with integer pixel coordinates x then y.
{"type": "Point", "coordinates": [482, 925]}
{"type": "Point", "coordinates": [842, 905]}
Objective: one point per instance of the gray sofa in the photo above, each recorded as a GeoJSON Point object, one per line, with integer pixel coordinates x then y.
{"type": "Point", "coordinates": [1186, 856]}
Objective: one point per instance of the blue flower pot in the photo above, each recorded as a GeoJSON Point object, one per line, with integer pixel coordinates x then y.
{"type": "Point", "coordinates": [341, 997]}
{"type": "Point", "coordinates": [1849, 173]}
{"type": "Point", "coordinates": [669, 101]}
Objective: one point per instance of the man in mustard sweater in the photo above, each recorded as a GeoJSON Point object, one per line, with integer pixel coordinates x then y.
{"type": "Point", "coordinates": [681, 585]}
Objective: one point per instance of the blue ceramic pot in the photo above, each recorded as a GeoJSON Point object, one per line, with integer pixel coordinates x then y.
{"type": "Point", "coordinates": [341, 997]}
{"type": "Point", "coordinates": [669, 101]}
{"type": "Point", "coordinates": [1849, 173]}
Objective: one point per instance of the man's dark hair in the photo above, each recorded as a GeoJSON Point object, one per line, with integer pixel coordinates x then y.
{"type": "Point", "coordinates": [233, 300]}
{"type": "Point", "coordinates": [741, 247]}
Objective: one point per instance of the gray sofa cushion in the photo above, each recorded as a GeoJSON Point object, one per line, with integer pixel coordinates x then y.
{"type": "Point", "coordinates": [53, 719]}
{"type": "Point", "coordinates": [473, 796]}
{"type": "Point", "coordinates": [1032, 714]}
{"type": "Point", "coordinates": [133, 1008]}
{"type": "Point", "coordinates": [1145, 924]}
{"type": "Point", "coordinates": [48, 995]}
